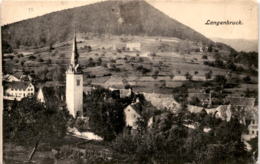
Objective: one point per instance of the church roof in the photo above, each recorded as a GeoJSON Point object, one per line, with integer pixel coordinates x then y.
{"type": "Point", "coordinates": [75, 54]}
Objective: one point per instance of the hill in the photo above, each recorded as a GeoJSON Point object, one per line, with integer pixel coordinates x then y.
{"type": "Point", "coordinates": [109, 17]}
{"type": "Point", "coordinates": [240, 44]}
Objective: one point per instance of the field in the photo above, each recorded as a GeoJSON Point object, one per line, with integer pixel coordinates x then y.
{"type": "Point", "coordinates": [47, 153]}
{"type": "Point", "coordinates": [100, 60]}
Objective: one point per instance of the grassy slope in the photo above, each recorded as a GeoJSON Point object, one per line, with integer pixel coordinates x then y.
{"type": "Point", "coordinates": [115, 17]}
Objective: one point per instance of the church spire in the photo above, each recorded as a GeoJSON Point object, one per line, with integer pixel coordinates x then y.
{"type": "Point", "coordinates": [75, 55]}
{"type": "Point", "coordinates": [74, 61]}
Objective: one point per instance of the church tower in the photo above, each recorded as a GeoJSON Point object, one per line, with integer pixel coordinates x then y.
{"type": "Point", "coordinates": [74, 83]}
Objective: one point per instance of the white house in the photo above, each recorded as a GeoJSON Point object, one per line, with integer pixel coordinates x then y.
{"type": "Point", "coordinates": [119, 46]}
{"type": "Point", "coordinates": [135, 46]}
{"type": "Point", "coordinates": [10, 78]}
{"type": "Point", "coordinates": [252, 128]}
{"type": "Point", "coordinates": [25, 78]}
{"type": "Point", "coordinates": [132, 114]}
{"type": "Point", "coordinates": [125, 92]}
{"type": "Point", "coordinates": [18, 90]}
{"type": "Point", "coordinates": [40, 96]}
{"type": "Point", "coordinates": [179, 78]}
{"type": "Point", "coordinates": [162, 101]}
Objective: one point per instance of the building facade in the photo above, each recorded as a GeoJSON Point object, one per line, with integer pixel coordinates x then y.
{"type": "Point", "coordinates": [17, 90]}
{"type": "Point", "coordinates": [74, 83]}
{"type": "Point", "coordinates": [133, 46]}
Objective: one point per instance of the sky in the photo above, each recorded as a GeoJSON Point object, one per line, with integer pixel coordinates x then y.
{"type": "Point", "coordinates": [193, 13]}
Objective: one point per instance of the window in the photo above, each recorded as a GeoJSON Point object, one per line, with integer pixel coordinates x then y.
{"type": "Point", "coordinates": [252, 132]}
{"type": "Point", "coordinates": [78, 82]}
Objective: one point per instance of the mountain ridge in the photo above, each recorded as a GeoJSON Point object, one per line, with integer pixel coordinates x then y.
{"type": "Point", "coordinates": [240, 44]}
{"type": "Point", "coordinates": [117, 17]}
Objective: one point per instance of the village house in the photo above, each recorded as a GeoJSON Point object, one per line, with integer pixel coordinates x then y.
{"type": "Point", "coordinates": [162, 101]}
{"type": "Point", "coordinates": [40, 96]}
{"type": "Point", "coordinates": [179, 78]}
{"type": "Point", "coordinates": [125, 93]}
{"type": "Point", "coordinates": [253, 127]}
{"type": "Point", "coordinates": [115, 82]}
{"type": "Point", "coordinates": [10, 78]}
{"type": "Point", "coordinates": [52, 96]}
{"type": "Point", "coordinates": [119, 46]}
{"type": "Point", "coordinates": [135, 46]}
{"type": "Point", "coordinates": [132, 113]}
{"type": "Point", "coordinates": [252, 124]}
{"type": "Point", "coordinates": [204, 98]}
{"type": "Point", "coordinates": [199, 78]}
{"type": "Point", "coordinates": [240, 101]}
{"type": "Point", "coordinates": [17, 90]}
{"type": "Point", "coordinates": [19, 76]}
{"type": "Point", "coordinates": [87, 89]}
{"type": "Point", "coordinates": [26, 78]}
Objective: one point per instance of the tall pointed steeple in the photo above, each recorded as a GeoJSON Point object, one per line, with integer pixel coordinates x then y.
{"type": "Point", "coordinates": [75, 55]}
{"type": "Point", "coordinates": [74, 61]}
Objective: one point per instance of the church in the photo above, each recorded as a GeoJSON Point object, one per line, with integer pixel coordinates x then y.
{"type": "Point", "coordinates": [74, 83]}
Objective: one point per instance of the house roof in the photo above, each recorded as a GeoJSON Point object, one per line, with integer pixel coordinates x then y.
{"type": "Point", "coordinates": [21, 85]}
{"type": "Point", "coordinates": [136, 106]}
{"type": "Point", "coordinates": [241, 101]}
{"type": "Point", "coordinates": [25, 77]}
{"type": "Point", "coordinates": [115, 81]}
{"type": "Point", "coordinates": [53, 94]}
{"type": "Point", "coordinates": [87, 89]}
{"type": "Point", "coordinates": [98, 80]}
{"type": "Point", "coordinates": [201, 96]}
{"type": "Point", "coordinates": [9, 77]}
{"type": "Point", "coordinates": [18, 74]}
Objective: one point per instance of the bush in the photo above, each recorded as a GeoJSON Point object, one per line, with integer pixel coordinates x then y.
{"type": "Point", "coordinates": [32, 57]}
{"type": "Point", "coordinates": [195, 101]}
{"type": "Point", "coordinates": [204, 57]}
{"type": "Point", "coordinates": [82, 124]}
{"type": "Point", "coordinates": [247, 79]}
{"type": "Point", "coordinates": [40, 60]}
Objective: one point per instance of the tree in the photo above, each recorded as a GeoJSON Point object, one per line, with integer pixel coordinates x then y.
{"type": "Point", "coordinates": [7, 48]}
{"type": "Point", "coordinates": [155, 74]}
{"type": "Point", "coordinates": [188, 76]}
{"type": "Point", "coordinates": [210, 48]}
{"type": "Point", "coordinates": [208, 75]}
{"type": "Point", "coordinates": [163, 84]}
{"type": "Point", "coordinates": [105, 113]}
{"type": "Point", "coordinates": [41, 73]}
{"type": "Point", "coordinates": [29, 122]}
{"type": "Point", "coordinates": [58, 74]}
{"type": "Point", "coordinates": [195, 101]}
{"type": "Point", "coordinates": [204, 57]}
{"type": "Point", "coordinates": [220, 79]}
{"type": "Point", "coordinates": [171, 75]}
{"type": "Point", "coordinates": [230, 65]}
{"type": "Point", "coordinates": [247, 79]}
